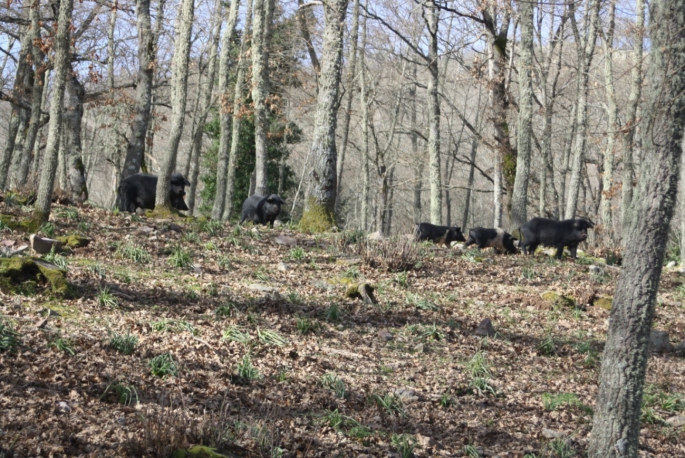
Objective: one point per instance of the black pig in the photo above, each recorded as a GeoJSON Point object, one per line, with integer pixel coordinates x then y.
{"type": "Point", "coordinates": [492, 238]}
{"type": "Point", "coordinates": [139, 191]}
{"type": "Point", "coordinates": [438, 234]}
{"type": "Point", "coordinates": [559, 234]}
{"type": "Point", "coordinates": [261, 209]}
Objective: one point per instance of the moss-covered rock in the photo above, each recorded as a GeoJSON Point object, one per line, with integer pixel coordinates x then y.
{"type": "Point", "coordinates": [165, 213]}
{"type": "Point", "coordinates": [24, 275]}
{"type": "Point", "coordinates": [201, 451]}
{"type": "Point", "coordinates": [604, 302]}
{"type": "Point", "coordinates": [317, 218]}
{"type": "Point", "coordinates": [30, 224]}
{"type": "Point", "coordinates": [557, 299]}
{"type": "Point", "coordinates": [73, 241]}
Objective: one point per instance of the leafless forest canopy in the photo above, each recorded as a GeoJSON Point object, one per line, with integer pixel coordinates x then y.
{"type": "Point", "coordinates": [388, 158]}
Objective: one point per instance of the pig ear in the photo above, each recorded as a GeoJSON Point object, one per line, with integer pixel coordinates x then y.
{"type": "Point", "coordinates": [186, 182]}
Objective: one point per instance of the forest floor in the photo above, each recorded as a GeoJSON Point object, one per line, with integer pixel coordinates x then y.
{"type": "Point", "coordinates": [265, 355]}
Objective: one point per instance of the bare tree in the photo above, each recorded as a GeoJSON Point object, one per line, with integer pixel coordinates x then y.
{"type": "Point", "coordinates": [319, 213]}
{"type": "Point", "coordinates": [238, 101]}
{"type": "Point", "coordinates": [61, 65]}
{"type": "Point", "coordinates": [263, 13]}
{"type": "Point", "coordinates": [179, 90]}
{"type": "Point", "coordinates": [616, 424]}
{"type": "Point", "coordinates": [224, 111]}
{"type": "Point", "coordinates": [585, 49]}
{"type": "Point", "coordinates": [143, 100]}
{"type": "Point", "coordinates": [524, 133]}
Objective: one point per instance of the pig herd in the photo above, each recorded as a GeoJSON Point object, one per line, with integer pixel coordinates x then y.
{"type": "Point", "coordinates": [538, 231]}
{"type": "Point", "coordinates": [138, 191]}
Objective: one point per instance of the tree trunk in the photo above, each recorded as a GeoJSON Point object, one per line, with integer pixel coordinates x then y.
{"type": "Point", "coordinates": [616, 423]}
{"type": "Point", "coordinates": [434, 174]}
{"type": "Point", "coordinates": [364, 102]}
{"type": "Point", "coordinates": [469, 186]}
{"type": "Point", "coordinates": [519, 197]}
{"type": "Point", "coordinates": [612, 127]}
{"type": "Point", "coordinates": [260, 89]}
{"type": "Point", "coordinates": [631, 118]}
{"type": "Point", "coordinates": [225, 115]}
{"type": "Point", "coordinates": [110, 45]}
{"type": "Point", "coordinates": [77, 190]}
{"type": "Point", "coordinates": [416, 156]}
{"type": "Point", "coordinates": [146, 70]}
{"type": "Point", "coordinates": [179, 90]}
{"type": "Point", "coordinates": [39, 83]}
{"type": "Point", "coordinates": [349, 93]}
{"type": "Point", "coordinates": [19, 90]}
{"type": "Point", "coordinates": [320, 203]}
{"type": "Point", "coordinates": [306, 36]}
{"type": "Point", "coordinates": [586, 50]}
{"type": "Point", "coordinates": [35, 166]}
{"type": "Point", "coordinates": [238, 101]}
{"type": "Point", "coordinates": [205, 106]}
{"type": "Point", "coordinates": [60, 66]}
{"type": "Point", "coordinates": [568, 145]}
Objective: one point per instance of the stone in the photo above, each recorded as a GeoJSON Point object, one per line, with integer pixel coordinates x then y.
{"type": "Point", "coordinates": [604, 302]}
{"type": "Point", "coordinates": [420, 348]}
{"type": "Point", "coordinates": [485, 328]}
{"type": "Point", "coordinates": [73, 241]}
{"type": "Point", "coordinates": [23, 273]}
{"type": "Point", "coordinates": [176, 227]}
{"type": "Point", "coordinates": [385, 335]}
{"type": "Point", "coordinates": [146, 229]}
{"type": "Point", "coordinates": [375, 236]}
{"type": "Point", "coordinates": [677, 421]}
{"type": "Point", "coordinates": [594, 269]}
{"type": "Point", "coordinates": [671, 264]}
{"type": "Point", "coordinates": [551, 434]}
{"type": "Point", "coordinates": [44, 245]}
{"type": "Point", "coordinates": [659, 342]}
{"type": "Point", "coordinates": [282, 266]}
{"type": "Point", "coordinates": [262, 288]}
{"type": "Point", "coordinates": [406, 395]}
{"type": "Point", "coordinates": [197, 268]}
{"type": "Point", "coordinates": [285, 240]}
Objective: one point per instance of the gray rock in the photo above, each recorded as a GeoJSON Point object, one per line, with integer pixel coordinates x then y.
{"type": "Point", "coordinates": [594, 269]}
{"type": "Point", "coordinates": [146, 229]}
{"type": "Point", "coordinates": [659, 342]}
{"type": "Point", "coordinates": [43, 245]}
{"type": "Point", "coordinates": [323, 285]}
{"type": "Point", "coordinates": [262, 288]}
{"type": "Point", "coordinates": [285, 240]}
{"type": "Point", "coordinates": [282, 266]}
{"type": "Point", "coordinates": [385, 335]}
{"type": "Point", "coordinates": [197, 268]}
{"type": "Point", "coordinates": [406, 395]}
{"type": "Point", "coordinates": [420, 348]}
{"type": "Point", "coordinates": [677, 421]}
{"type": "Point", "coordinates": [551, 434]}
{"type": "Point", "coordinates": [485, 328]}
{"type": "Point", "coordinates": [671, 264]}
{"type": "Point", "coordinates": [375, 236]}
{"type": "Point", "coordinates": [176, 227]}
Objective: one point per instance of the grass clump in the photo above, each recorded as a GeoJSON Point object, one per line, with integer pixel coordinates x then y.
{"type": "Point", "coordinates": [389, 402]}
{"type": "Point", "coordinates": [163, 365]}
{"type": "Point", "coordinates": [64, 345]}
{"type": "Point", "coordinates": [405, 444]}
{"type": "Point", "coordinates": [552, 402]}
{"type": "Point", "coordinates": [133, 252]}
{"type": "Point", "coordinates": [333, 382]}
{"type": "Point", "coordinates": [56, 259]}
{"type": "Point", "coordinates": [237, 334]}
{"type": "Point", "coordinates": [268, 337]}
{"type": "Point", "coordinates": [179, 257]}
{"type": "Point", "coordinates": [247, 372]}
{"type": "Point", "coordinates": [124, 394]}
{"type": "Point", "coordinates": [123, 343]}
{"type": "Point", "coordinates": [106, 299]}
{"type": "Point", "coordinates": [9, 338]}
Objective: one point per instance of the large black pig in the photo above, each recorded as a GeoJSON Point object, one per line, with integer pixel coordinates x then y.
{"type": "Point", "coordinates": [438, 234]}
{"type": "Point", "coordinates": [139, 191]}
{"type": "Point", "coordinates": [492, 238]}
{"type": "Point", "coordinates": [261, 209]}
{"type": "Point", "coordinates": [559, 234]}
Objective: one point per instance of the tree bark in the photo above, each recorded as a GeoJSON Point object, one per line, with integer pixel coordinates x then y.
{"type": "Point", "coordinates": [179, 90]}
{"type": "Point", "coordinates": [519, 197]}
{"type": "Point", "coordinates": [586, 50]}
{"type": "Point", "coordinates": [434, 174]}
{"type": "Point", "coordinates": [204, 108]}
{"type": "Point", "coordinates": [39, 72]}
{"type": "Point", "coordinates": [612, 127]}
{"type": "Point", "coordinates": [364, 102]}
{"type": "Point", "coordinates": [146, 70]}
{"type": "Point", "coordinates": [263, 11]}
{"type": "Point", "coordinates": [17, 114]}
{"type": "Point", "coordinates": [238, 102]}
{"type": "Point", "coordinates": [631, 118]}
{"type": "Point", "coordinates": [225, 115]}
{"type": "Point", "coordinates": [60, 64]}
{"type": "Point", "coordinates": [350, 90]}
{"type": "Point", "coordinates": [616, 423]}
{"type": "Point", "coordinates": [74, 97]}
{"type": "Point", "coordinates": [320, 204]}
